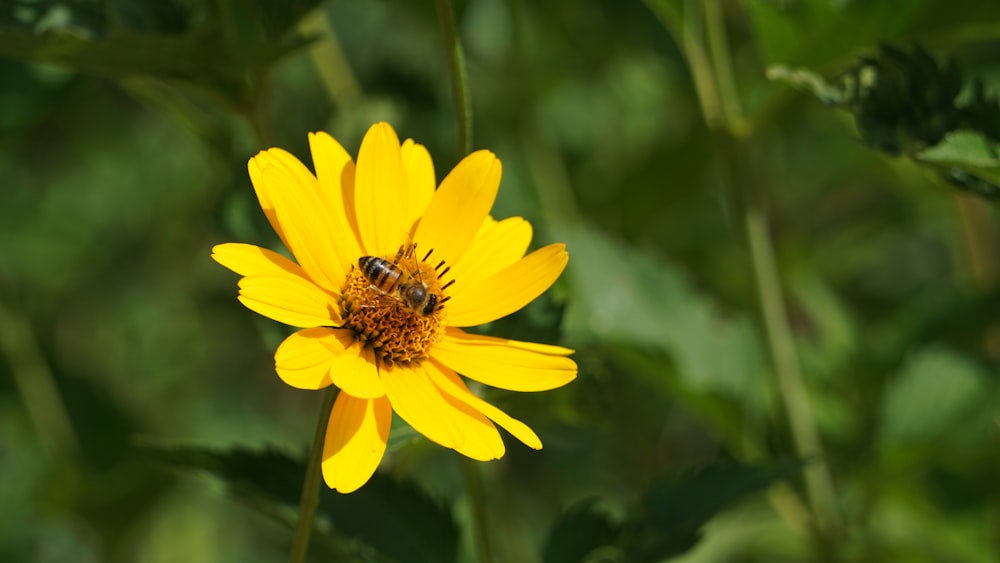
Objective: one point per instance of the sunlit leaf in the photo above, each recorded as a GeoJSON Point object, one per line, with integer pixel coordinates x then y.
{"type": "Point", "coordinates": [970, 160]}
{"type": "Point", "coordinates": [930, 397]}
{"type": "Point", "coordinates": [632, 297]}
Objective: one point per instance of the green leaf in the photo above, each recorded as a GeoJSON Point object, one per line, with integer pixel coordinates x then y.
{"type": "Point", "coordinates": [906, 103]}
{"type": "Point", "coordinates": [674, 508]}
{"type": "Point", "coordinates": [930, 397]}
{"type": "Point", "coordinates": [578, 532]}
{"type": "Point", "coordinates": [396, 519]}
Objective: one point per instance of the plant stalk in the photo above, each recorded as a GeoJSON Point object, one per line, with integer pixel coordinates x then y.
{"type": "Point", "coordinates": [477, 503]}
{"type": "Point", "coordinates": [819, 482]}
{"type": "Point", "coordinates": [459, 76]}
{"type": "Point", "coordinates": [310, 486]}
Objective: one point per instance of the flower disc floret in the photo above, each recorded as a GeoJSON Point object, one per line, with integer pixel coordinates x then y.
{"type": "Point", "coordinates": [382, 322]}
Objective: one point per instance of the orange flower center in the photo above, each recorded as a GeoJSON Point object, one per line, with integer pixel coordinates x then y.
{"type": "Point", "coordinates": [395, 305]}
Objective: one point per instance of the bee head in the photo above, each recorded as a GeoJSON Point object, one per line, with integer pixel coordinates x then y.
{"type": "Point", "coordinates": [432, 301]}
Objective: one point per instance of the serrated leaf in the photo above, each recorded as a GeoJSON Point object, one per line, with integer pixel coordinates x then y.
{"type": "Point", "coordinates": [396, 519]}
{"type": "Point", "coordinates": [930, 396]}
{"type": "Point", "coordinates": [904, 102]}
{"type": "Point", "coordinates": [578, 532]}
{"type": "Point", "coordinates": [674, 508]}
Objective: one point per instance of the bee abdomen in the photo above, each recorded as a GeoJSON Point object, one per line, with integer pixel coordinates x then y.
{"type": "Point", "coordinates": [380, 272]}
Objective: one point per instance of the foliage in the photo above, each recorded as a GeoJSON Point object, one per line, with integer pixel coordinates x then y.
{"type": "Point", "coordinates": [696, 191]}
{"type": "Point", "coordinates": [904, 103]}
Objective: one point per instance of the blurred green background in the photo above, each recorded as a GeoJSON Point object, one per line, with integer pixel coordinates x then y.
{"type": "Point", "coordinates": [753, 272]}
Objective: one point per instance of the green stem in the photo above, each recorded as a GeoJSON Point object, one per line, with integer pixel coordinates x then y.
{"type": "Point", "coordinates": [35, 381]}
{"type": "Point", "coordinates": [459, 77]}
{"type": "Point", "coordinates": [718, 47]}
{"type": "Point", "coordinates": [477, 502]}
{"type": "Point", "coordinates": [819, 482]}
{"type": "Point", "coordinates": [786, 365]}
{"type": "Point", "coordinates": [341, 85]}
{"type": "Point", "coordinates": [310, 487]}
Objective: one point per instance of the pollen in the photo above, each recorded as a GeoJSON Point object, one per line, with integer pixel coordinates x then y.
{"type": "Point", "coordinates": [376, 310]}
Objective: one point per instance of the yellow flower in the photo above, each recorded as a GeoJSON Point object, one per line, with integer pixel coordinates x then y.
{"type": "Point", "coordinates": [388, 271]}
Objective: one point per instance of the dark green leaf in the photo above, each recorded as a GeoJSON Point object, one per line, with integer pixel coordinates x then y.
{"type": "Point", "coordinates": [395, 519]}
{"type": "Point", "coordinates": [674, 508]}
{"type": "Point", "coordinates": [579, 531]}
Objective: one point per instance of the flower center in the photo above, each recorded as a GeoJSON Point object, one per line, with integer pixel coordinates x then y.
{"type": "Point", "coordinates": [395, 305]}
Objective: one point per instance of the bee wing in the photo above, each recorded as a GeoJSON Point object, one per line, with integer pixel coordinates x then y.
{"type": "Point", "coordinates": [382, 300]}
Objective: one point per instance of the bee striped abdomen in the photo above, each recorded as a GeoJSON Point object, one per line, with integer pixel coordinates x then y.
{"type": "Point", "coordinates": [383, 274]}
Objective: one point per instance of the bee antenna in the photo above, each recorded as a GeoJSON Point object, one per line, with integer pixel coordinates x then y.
{"type": "Point", "coordinates": [428, 255]}
{"type": "Point", "coordinates": [444, 287]}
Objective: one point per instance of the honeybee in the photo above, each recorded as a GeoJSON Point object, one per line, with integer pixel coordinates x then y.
{"type": "Point", "coordinates": [388, 278]}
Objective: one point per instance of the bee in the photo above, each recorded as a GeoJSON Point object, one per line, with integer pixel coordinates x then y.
{"type": "Point", "coordinates": [389, 279]}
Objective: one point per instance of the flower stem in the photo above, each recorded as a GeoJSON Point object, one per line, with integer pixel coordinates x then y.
{"type": "Point", "coordinates": [819, 482]}
{"type": "Point", "coordinates": [719, 97]}
{"type": "Point", "coordinates": [310, 487]}
{"type": "Point", "coordinates": [36, 383]}
{"type": "Point", "coordinates": [477, 502]}
{"type": "Point", "coordinates": [459, 78]}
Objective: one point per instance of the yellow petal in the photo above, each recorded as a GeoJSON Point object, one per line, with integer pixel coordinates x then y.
{"type": "Point", "coordinates": [508, 290]}
{"type": "Point", "coordinates": [264, 197]}
{"type": "Point", "coordinates": [452, 385]}
{"type": "Point", "coordinates": [381, 195]}
{"type": "Point", "coordinates": [315, 357]}
{"type": "Point", "coordinates": [355, 441]}
{"type": "Point", "coordinates": [482, 441]}
{"type": "Point", "coordinates": [354, 369]}
{"type": "Point", "coordinates": [420, 177]}
{"type": "Point", "coordinates": [250, 260]}
{"type": "Point", "coordinates": [335, 172]}
{"type": "Point", "coordinates": [421, 405]}
{"type": "Point", "coordinates": [303, 359]}
{"type": "Point", "coordinates": [507, 364]}
{"type": "Point", "coordinates": [290, 300]}
{"type": "Point", "coordinates": [548, 349]}
{"type": "Point", "coordinates": [441, 418]}
{"type": "Point", "coordinates": [498, 244]}
{"type": "Point", "coordinates": [459, 207]}
{"type": "Point", "coordinates": [305, 219]}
